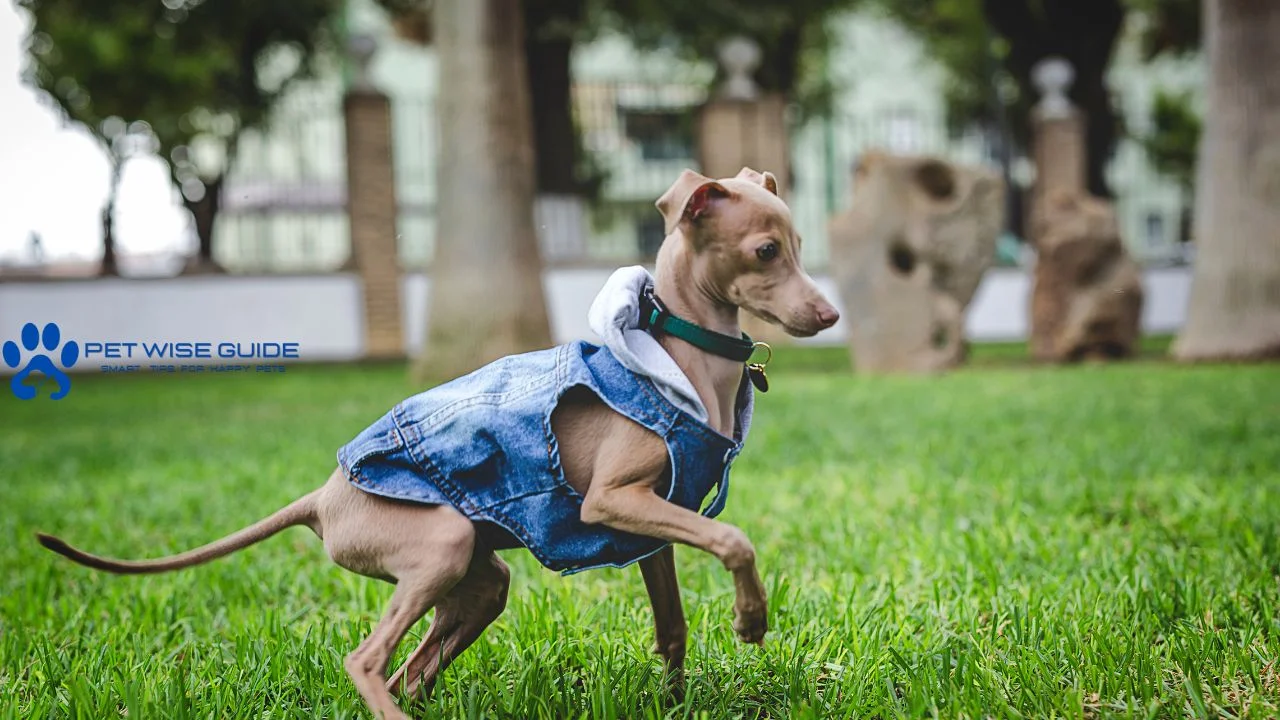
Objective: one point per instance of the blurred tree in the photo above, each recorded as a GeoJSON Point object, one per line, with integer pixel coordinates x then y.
{"type": "Point", "coordinates": [986, 67]}
{"type": "Point", "coordinates": [91, 59]}
{"type": "Point", "coordinates": [181, 77]}
{"type": "Point", "coordinates": [1234, 309]}
{"type": "Point", "coordinates": [1171, 144]}
{"type": "Point", "coordinates": [551, 29]}
{"type": "Point", "coordinates": [1084, 32]}
{"type": "Point", "coordinates": [486, 297]}
{"type": "Point", "coordinates": [795, 38]}
{"type": "Point", "coordinates": [793, 35]}
{"type": "Point", "coordinates": [1172, 27]}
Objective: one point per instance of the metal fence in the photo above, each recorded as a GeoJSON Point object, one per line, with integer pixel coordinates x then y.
{"type": "Point", "coordinates": [284, 203]}
{"type": "Point", "coordinates": [284, 206]}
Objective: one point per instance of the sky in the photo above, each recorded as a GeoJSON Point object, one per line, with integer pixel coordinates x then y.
{"type": "Point", "coordinates": [53, 179]}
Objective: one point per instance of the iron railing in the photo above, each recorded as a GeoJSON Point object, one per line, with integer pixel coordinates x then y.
{"type": "Point", "coordinates": [284, 205]}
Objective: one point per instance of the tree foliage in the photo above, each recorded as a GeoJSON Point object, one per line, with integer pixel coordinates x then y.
{"type": "Point", "coordinates": [1174, 137]}
{"type": "Point", "coordinates": [988, 48]}
{"type": "Point", "coordinates": [183, 75]}
{"type": "Point", "coordinates": [1171, 26]}
{"type": "Point", "coordinates": [957, 36]}
{"type": "Point", "coordinates": [794, 37]}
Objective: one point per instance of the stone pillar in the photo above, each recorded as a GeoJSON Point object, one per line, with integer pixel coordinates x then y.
{"type": "Point", "coordinates": [743, 127]}
{"type": "Point", "coordinates": [1086, 297]}
{"type": "Point", "coordinates": [371, 206]}
{"type": "Point", "coordinates": [733, 134]}
{"type": "Point", "coordinates": [1059, 132]}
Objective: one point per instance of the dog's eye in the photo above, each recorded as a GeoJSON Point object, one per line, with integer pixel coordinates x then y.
{"type": "Point", "coordinates": [767, 252]}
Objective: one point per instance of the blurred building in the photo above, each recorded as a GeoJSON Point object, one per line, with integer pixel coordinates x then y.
{"type": "Point", "coordinates": [284, 201]}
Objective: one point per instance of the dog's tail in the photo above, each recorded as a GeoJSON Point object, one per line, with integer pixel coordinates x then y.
{"type": "Point", "coordinates": [300, 512]}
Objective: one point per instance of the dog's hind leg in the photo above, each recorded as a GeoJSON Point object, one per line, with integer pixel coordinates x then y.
{"type": "Point", "coordinates": [426, 551]}
{"type": "Point", "coordinates": [461, 616]}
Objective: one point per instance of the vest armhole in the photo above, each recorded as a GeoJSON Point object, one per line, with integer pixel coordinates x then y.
{"type": "Point", "coordinates": [666, 487]}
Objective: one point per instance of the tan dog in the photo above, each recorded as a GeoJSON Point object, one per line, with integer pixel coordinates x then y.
{"type": "Point", "coordinates": [730, 244]}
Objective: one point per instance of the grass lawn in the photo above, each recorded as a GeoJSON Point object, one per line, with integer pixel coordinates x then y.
{"type": "Point", "coordinates": [1000, 542]}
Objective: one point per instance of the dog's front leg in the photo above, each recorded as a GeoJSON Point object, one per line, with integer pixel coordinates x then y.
{"type": "Point", "coordinates": [670, 630]}
{"type": "Point", "coordinates": [635, 508]}
{"type": "Point", "coordinates": [629, 464]}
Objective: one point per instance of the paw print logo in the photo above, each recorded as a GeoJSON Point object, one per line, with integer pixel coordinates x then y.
{"type": "Point", "coordinates": [32, 340]}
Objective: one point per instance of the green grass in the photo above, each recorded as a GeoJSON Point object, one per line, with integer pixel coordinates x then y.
{"type": "Point", "coordinates": [835, 358]}
{"type": "Point", "coordinates": [999, 542]}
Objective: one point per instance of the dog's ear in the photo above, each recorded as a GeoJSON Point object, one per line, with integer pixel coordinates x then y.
{"type": "Point", "coordinates": [690, 197]}
{"type": "Point", "coordinates": [770, 182]}
{"type": "Point", "coordinates": [766, 179]}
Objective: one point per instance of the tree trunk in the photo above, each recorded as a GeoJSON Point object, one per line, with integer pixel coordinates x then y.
{"type": "Point", "coordinates": [109, 266]}
{"type": "Point", "coordinates": [548, 48]}
{"type": "Point", "coordinates": [549, 28]}
{"type": "Point", "coordinates": [1234, 309]}
{"type": "Point", "coordinates": [486, 297]}
{"type": "Point", "coordinates": [204, 212]}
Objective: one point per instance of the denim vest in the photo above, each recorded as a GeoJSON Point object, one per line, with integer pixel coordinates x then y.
{"type": "Point", "coordinates": [483, 444]}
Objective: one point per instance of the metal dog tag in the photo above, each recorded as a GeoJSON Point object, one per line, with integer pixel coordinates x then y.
{"type": "Point", "coordinates": [755, 370]}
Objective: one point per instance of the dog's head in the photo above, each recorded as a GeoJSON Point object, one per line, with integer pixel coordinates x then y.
{"type": "Point", "coordinates": [743, 249]}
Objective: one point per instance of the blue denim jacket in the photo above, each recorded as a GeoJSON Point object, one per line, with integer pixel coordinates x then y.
{"type": "Point", "coordinates": [483, 444]}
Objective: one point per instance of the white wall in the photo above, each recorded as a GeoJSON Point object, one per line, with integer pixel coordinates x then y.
{"type": "Point", "coordinates": [322, 312]}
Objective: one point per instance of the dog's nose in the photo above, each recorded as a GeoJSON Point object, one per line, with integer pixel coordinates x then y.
{"type": "Point", "coordinates": [828, 316]}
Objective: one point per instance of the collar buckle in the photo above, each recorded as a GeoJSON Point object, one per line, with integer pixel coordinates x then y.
{"type": "Point", "coordinates": [652, 314]}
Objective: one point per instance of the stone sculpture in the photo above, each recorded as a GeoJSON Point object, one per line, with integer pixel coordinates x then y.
{"type": "Point", "coordinates": [1087, 298]}
{"type": "Point", "coordinates": [1086, 301]}
{"type": "Point", "coordinates": [908, 257]}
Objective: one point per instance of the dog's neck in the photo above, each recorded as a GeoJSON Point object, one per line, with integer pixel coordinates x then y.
{"type": "Point", "coordinates": [716, 379]}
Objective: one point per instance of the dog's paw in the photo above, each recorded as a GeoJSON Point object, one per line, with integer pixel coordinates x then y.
{"type": "Point", "coordinates": [673, 681]}
{"type": "Point", "coordinates": [751, 622]}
